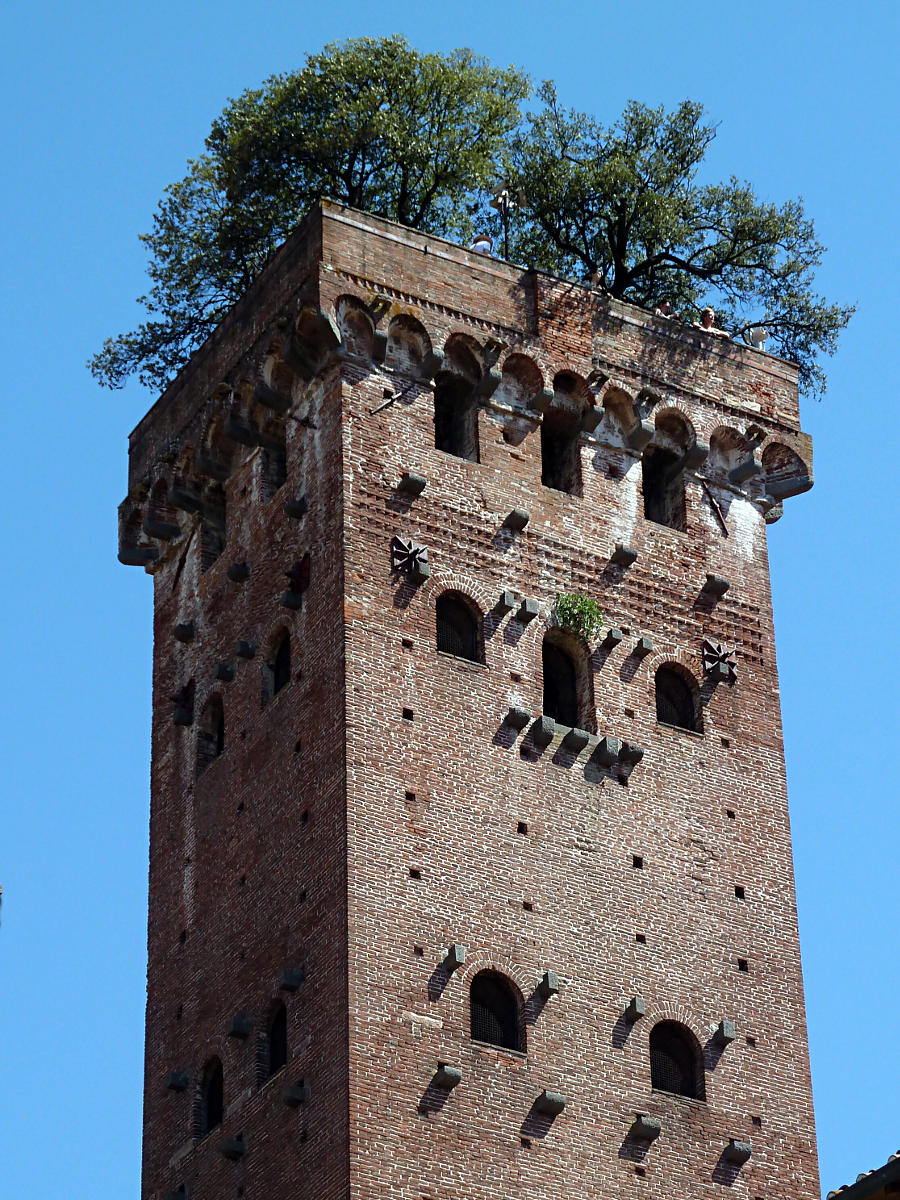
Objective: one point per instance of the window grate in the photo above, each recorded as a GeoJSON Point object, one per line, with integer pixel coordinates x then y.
{"type": "Point", "coordinates": [457, 629]}
{"type": "Point", "coordinates": [494, 1012]}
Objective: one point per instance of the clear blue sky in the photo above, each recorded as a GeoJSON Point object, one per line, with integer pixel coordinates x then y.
{"type": "Point", "coordinates": [102, 105]}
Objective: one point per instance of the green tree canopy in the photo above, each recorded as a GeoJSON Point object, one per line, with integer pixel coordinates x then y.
{"type": "Point", "coordinates": [370, 122]}
{"type": "Point", "coordinates": [622, 206]}
{"type": "Point", "coordinates": [421, 139]}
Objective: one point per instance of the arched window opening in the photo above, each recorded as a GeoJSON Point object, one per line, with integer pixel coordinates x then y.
{"type": "Point", "coordinates": [277, 1041]}
{"type": "Point", "coordinates": [560, 457]}
{"type": "Point", "coordinates": [280, 667]}
{"type": "Point", "coordinates": [211, 1107]}
{"type": "Point", "coordinates": [212, 527]}
{"type": "Point", "coordinates": [494, 1009]}
{"type": "Point", "coordinates": [211, 733]}
{"type": "Point", "coordinates": [663, 484]}
{"type": "Point", "coordinates": [457, 628]}
{"type": "Point", "coordinates": [560, 685]}
{"type": "Point", "coordinates": [273, 461]}
{"type": "Point", "coordinates": [675, 700]}
{"type": "Point", "coordinates": [456, 418]}
{"type": "Point", "coordinates": [675, 1062]}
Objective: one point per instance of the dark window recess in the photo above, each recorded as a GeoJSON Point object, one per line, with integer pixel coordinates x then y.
{"type": "Point", "coordinates": [663, 483]}
{"type": "Point", "coordinates": [674, 700]}
{"type": "Point", "coordinates": [456, 419]}
{"type": "Point", "coordinates": [212, 528]}
{"type": "Point", "coordinates": [495, 1012]}
{"type": "Point", "coordinates": [560, 685]}
{"type": "Point", "coordinates": [675, 1064]}
{"type": "Point", "coordinates": [274, 462]}
{"type": "Point", "coordinates": [211, 1101]}
{"type": "Point", "coordinates": [457, 628]}
{"type": "Point", "coordinates": [560, 459]}
{"type": "Point", "coordinates": [211, 733]}
{"type": "Point", "coordinates": [277, 1040]}
{"type": "Point", "coordinates": [281, 665]}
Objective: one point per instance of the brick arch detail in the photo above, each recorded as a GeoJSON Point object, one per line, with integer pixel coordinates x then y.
{"type": "Point", "coordinates": [678, 409]}
{"type": "Point", "coordinates": [489, 959]}
{"type": "Point", "coordinates": [672, 1012]}
{"type": "Point", "coordinates": [457, 581]}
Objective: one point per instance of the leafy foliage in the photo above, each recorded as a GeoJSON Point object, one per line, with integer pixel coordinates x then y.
{"type": "Point", "coordinates": [370, 122]}
{"type": "Point", "coordinates": [580, 614]}
{"type": "Point", "coordinates": [621, 205]}
{"type": "Point", "coordinates": [420, 139]}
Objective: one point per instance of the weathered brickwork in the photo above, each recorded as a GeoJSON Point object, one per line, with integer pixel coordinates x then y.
{"type": "Point", "coordinates": [382, 805]}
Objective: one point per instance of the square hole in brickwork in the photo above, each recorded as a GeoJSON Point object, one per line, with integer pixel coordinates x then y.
{"type": "Point", "coordinates": [629, 712]}
{"type": "Point", "coordinates": [304, 816]}
{"type": "Point", "coordinates": [739, 892]}
{"type": "Point", "coordinates": [240, 807]}
{"type": "Point", "coordinates": [528, 906]}
{"type": "Point", "coordinates": [757, 1121]}
{"type": "Point", "coordinates": [182, 937]}
{"type": "Point", "coordinates": [641, 937]}
{"type": "Point", "coordinates": [415, 873]}
{"type": "Point", "coordinates": [515, 676]}
{"type": "Point", "coordinates": [637, 862]}
{"type": "Point", "coordinates": [179, 1012]}
{"type": "Point", "coordinates": [521, 827]}
{"type": "Point", "coordinates": [751, 1042]}
{"type": "Point", "coordinates": [726, 742]}
{"type": "Point", "coordinates": [298, 746]}
{"type": "Point", "coordinates": [743, 965]}
{"type": "Point", "coordinates": [729, 813]}
{"type": "Point", "coordinates": [419, 951]}
{"type": "Point", "coordinates": [243, 880]}
{"type": "Point", "coordinates": [406, 643]}
{"type": "Point", "coordinates": [640, 1171]}
{"type": "Point", "coordinates": [526, 1143]}
{"type": "Point", "coordinates": [407, 714]}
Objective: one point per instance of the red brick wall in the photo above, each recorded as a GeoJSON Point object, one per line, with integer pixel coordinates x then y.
{"type": "Point", "coordinates": [443, 794]}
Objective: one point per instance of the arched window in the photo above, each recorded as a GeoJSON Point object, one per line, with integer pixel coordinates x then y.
{"type": "Point", "coordinates": [211, 1106]}
{"type": "Point", "coordinates": [560, 457]}
{"type": "Point", "coordinates": [663, 484]}
{"type": "Point", "coordinates": [676, 1064]}
{"type": "Point", "coordinates": [211, 733]}
{"type": "Point", "coordinates": [276, 1040]}
{"type": "Point", "coordinates": [457, 628]}
{"type": "Point", "coordinates": [281, 664]}
{"type": "Point", "coordinates": [675, 700]}
{"type": "Point", "coordinates": [212, 527]}
{"type": "Point", "coordinates": [560, 685]}
{"type": "Point", "coordinates": [456, 417]}
{"type": "Point", "coordinates": [494, 1009]}
{"type": "Point", "coordinates": [273, 460]}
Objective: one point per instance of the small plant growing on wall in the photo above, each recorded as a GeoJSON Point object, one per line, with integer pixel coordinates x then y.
{"type": "Point", "coordinates": [579, 614]}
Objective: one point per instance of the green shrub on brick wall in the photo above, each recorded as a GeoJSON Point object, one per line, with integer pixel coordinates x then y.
{"type": "Point", "coordinates": [580, 614]}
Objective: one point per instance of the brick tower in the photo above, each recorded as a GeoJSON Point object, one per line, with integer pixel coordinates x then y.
{"type": "Point", "coordinates": [454, 893]}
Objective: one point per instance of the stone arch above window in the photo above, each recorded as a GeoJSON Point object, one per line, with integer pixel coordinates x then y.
{"type": "Point", "coordinates": [676, 1061]}
{"type": "Point", "coordinates": [677, 698]}
{"type": "Point", "coordinates": [728, 448]}
{"type": "Point", "coordinates": [210, 732]}
{"type": "Point", "coordinates": [458, 627]}
{"type": "Point", "coordinates": [567, 682]}
{"type": "Point", "coordinates": [495, 1009]}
